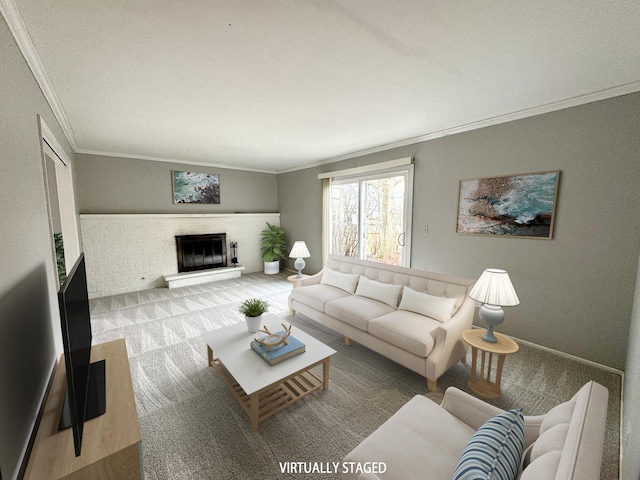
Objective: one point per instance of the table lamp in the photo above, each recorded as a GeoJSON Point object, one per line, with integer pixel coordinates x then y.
{"type": "Point", "coordinates": [299, 251]}
{"type": "Point", "coordinates": [494, 290]}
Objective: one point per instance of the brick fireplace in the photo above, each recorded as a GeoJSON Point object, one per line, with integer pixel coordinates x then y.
{"type": "Point", "coordinates": [133, 252]}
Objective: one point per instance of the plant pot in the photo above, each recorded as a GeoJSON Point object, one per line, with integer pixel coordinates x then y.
{"type": "Point", "coordinates": [253, 323]}
{"type": "Point", "coordinates": [271, 268]}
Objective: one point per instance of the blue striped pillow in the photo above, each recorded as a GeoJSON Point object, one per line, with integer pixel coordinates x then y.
{"type": "Point", "coordinates": [494, 451]}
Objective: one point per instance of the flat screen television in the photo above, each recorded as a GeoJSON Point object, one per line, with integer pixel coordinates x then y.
{"type": "Point", "coordinates": [85, 398]}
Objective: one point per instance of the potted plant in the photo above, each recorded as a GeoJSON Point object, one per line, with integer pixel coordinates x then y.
{"type": "Point", "coordinates": [273, 248]}
{"type": "Point", "coordinates": [252, 309]}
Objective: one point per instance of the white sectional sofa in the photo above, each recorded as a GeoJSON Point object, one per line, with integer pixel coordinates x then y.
{"type": "Point", "coordinates": [428, 440]}
{"type": "Point", "coordinates": [415, 318]}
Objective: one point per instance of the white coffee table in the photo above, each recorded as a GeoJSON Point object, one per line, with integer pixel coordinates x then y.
{"type": "Point", "coordinates": [261, 389]}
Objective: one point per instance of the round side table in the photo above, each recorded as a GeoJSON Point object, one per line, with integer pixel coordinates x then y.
{"type": "Point", "coordinates": [480, 381]}
{"type": "Point", "coordinates": [294, 279]}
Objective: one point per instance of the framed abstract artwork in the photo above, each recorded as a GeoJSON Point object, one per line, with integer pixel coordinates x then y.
{"type": "Point", "coordinates": [191, 187]}
{"type": "Point", "coordinates": [512, 205]}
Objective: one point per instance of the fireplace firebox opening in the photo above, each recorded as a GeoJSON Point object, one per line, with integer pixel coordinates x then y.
{"type": "Point", "coordinates": [201, 252]}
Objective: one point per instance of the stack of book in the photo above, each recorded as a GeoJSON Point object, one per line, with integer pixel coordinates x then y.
{"type": "Point", "coordinates": [279, 354]}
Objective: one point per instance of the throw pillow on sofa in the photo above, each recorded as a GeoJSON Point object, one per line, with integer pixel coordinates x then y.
{"type": "Point", "coordinates": [438, 308]}
{"type": "Point", "coordinates": [382, 292]}
{"type": "Point", "coordinates": [343, 281]}
{"type": "Point", "coordinates": [495, 450]}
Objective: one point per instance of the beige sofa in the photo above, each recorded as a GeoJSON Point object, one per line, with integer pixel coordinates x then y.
{"type": "Point", "coordinates": [415, 318]}
{"type": "Point", "coordinates": [428, 439]}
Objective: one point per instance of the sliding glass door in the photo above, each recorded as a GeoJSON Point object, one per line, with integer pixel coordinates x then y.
{"type": "Point", "coordinates": [370, 216]}
{"type": "Point", "coordinates": [345, 218]}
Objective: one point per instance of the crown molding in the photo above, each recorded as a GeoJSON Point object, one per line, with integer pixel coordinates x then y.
{"type": "Point", "coordinates": [603, 94]}
{"type": "Point", "coordinates": [576, 101]}
{"type": "Point", "coordinates": [14, 20]}
{"type": "Point", "coordinates": [172, 160]}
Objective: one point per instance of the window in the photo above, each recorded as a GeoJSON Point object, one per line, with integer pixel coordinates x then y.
{"type": "Point", "coordinates": [370, 213]}
{"type": "Point", "coordinates": [61, 203]}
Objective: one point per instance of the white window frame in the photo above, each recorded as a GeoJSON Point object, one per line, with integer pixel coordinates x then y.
{"type": "Point", "coordinates": [65, 196]}
{"type": "Point", "coordinates": [362, 174]}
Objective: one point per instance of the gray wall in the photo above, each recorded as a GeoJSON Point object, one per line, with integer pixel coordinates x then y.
{"type": "Point", "coordinates": [126, 185]}
{"type": "Point", "coordinates": [29, 322]}
{"type": "Point", "coordinates": [630, 467]}
{"type": "Point", "coordinates": [300, 207]}
{"type": "Point", "coordinates": [576, 290]}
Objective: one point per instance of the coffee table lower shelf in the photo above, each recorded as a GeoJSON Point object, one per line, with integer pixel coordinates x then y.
{"type": "Point", "coordinates": [273, 398]}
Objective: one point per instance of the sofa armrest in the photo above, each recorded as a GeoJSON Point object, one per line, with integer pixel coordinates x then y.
{"type": "Point", "coordinates": [311, 280]}
{"type": "Point", "coordinates": [467, 408]}
{"type": "Point", "coordinates": [449, 347]}
{"type": "Point", "coordinates": [475, 412]}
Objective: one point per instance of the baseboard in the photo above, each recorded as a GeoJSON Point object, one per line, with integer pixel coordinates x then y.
{"type": "Point", "coordinates": [571, 357]}
{"type": "Point", "coordinates": [566, 355]}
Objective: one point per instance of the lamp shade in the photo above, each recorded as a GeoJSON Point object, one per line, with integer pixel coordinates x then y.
{"type": "Point", "coordinates": [299, 250]}
{"type": "Point", "coordinates": [494, 287]}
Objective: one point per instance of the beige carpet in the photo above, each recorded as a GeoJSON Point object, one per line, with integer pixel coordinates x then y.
{"type": "Point", "coordinates": [192, 428]}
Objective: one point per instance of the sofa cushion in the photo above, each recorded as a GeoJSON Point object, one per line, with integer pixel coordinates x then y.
{"type": "Point", "coordinates": [356, 310]}
{"type": "Point", "coordinates": [407, 330]}
{"type": "Point", "coordinates": [343, 281]}
{"type": "Point", "coordinates": [495, 450]}
{"type": "Point", "coordinates": [559, 414]}
{"type": "Point", "coordinates": [552, 439]}
{"type": "Point", "coordinates": [382, 292]}
{"type": "Point", "coordinates": [316, 296]}
{"type": "Point", "coordinates": [410, 444]}
{"type": "Point", "coordinates": [440, 308]}
{"type": "Point", "coordinates": [545, 466]}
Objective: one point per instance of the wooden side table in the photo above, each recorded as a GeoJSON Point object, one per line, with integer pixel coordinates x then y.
{"type": "Point", "coordinates": [480, 382]}
{"type": "Point", "coordinates": [294, 279]}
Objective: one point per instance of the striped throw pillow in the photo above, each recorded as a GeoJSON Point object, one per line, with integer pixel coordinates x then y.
{"type": "Point", "coordinates": [494, 451]}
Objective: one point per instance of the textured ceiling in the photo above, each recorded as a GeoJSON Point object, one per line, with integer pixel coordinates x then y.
{"type": "Point", "coordinates": [273, 85]}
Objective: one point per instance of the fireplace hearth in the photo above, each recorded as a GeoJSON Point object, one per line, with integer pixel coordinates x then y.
{"type": "Point", "coordinates": [201, 252]}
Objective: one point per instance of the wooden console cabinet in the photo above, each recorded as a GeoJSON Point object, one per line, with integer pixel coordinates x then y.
{"type": "Point", "coordinates": [110, 443]}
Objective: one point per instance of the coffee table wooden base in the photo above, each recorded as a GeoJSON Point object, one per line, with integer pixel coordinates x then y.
{"type": "Point", "coordinates": [273, 398]}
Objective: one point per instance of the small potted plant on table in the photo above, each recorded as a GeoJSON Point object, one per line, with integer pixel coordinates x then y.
{"type": "Point", "coordinates": [252, 309]}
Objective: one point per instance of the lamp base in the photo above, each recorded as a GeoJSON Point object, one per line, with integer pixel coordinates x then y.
{"type": "Point", "coordinates": [492, 315]}
{"type": "Point", "coordinates": [489, 337]}
{"type": "Point", "coordinates": [299, 265]}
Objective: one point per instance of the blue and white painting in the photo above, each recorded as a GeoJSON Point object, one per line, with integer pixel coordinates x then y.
{"type": "Point", "coordinates": [515, 205]}
{"type": "Point", "coordinates": [191, 187]}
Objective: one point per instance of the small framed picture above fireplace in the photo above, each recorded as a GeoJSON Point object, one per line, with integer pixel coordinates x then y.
{"type": "Point", "coordinates": [192, 187]}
